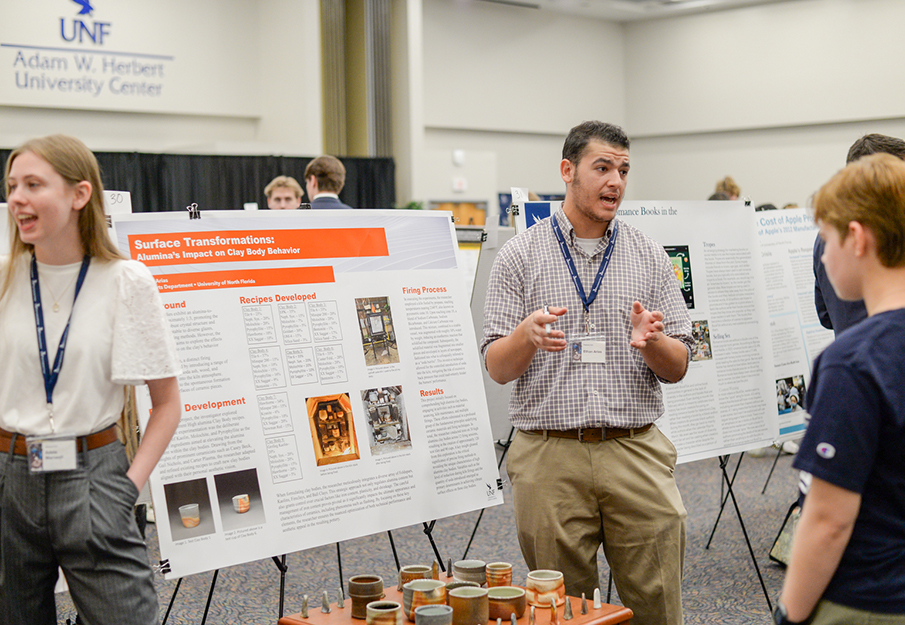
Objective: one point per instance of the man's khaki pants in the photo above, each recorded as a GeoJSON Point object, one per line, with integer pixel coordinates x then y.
{"type": "Point", "coordinates": [571, 496]}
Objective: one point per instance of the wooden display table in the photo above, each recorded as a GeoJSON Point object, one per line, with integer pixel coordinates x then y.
{"type": "Point", "coordinates": [606, 615]}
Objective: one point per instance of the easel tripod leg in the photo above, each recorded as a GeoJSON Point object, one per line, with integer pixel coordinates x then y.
{"type": "Point", "coordinates": [428, 529]}
{"type": "Point", "coordinates": [773, 468]}
{"type": "Point", "coordinates": [172, 600]}
{"type": "Point", "coordinates": [724, 498]}
{"type": "Point", "coordinates": [393, 547]}
{"type": "Point", "coordinates": [339, 565]}
{"type": "Point", "coordinates": [210, 595]}
{"type": "Point", "coordinates": [281, 565]}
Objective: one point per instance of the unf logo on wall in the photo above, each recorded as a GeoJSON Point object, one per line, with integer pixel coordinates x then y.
{"type": "Point", "coordinates": [81, 31]}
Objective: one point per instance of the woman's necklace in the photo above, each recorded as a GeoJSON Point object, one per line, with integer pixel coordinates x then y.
{"type": "Point", "coordinates": [56, 302]}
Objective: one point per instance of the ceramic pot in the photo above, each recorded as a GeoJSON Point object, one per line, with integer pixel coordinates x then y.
{"type": "Point", "coordinates": [413, 572]}
{"type": "Point", "coordinates": [458, 583]}
{"type": "Point", "coordinates": [543, 585]}
{"type": "Point", "coordinates": [470, 605]}
{"type": "Point", "coordinates": [433, 615]}
{"type": "Point", "coordinates": [241, 503]}
{"type": "Point", "coordinates": [363, 589]}
{"type": "Point", "coordinates": [499, 574]}
{"type": "Point", "coordinates": [470, 571]}
{"type": "Point", "coordinates": [384, 613]}
{"type": "Point", "coordinates": [420, 592]}
{"type": "Point", "coordinates": [190, 514]}
{"type": "Point", "coordinates": [506, 600]}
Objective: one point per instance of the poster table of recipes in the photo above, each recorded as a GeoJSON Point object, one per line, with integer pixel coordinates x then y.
{"type": "Point", "coordinates": [605, 615]}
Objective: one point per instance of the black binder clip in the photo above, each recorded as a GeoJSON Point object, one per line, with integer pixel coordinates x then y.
{"type": "Point", "coordinates": [194, 211]}
{"type": "Point", "coordinates": [164, 567]}
{"type": "Point", "coordinates": [483, 236]}
{"type": "Point", "coordinates": [513, 210]}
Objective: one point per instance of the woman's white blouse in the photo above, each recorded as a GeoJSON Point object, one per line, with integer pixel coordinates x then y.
{"type": "Point", "coordinates": [118, 335]}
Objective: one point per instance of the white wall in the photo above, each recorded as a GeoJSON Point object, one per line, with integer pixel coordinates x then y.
{"type": "Point", "coordinates": [772, 95]}
{"type": "Point", "coordinates": [775, 166]}
{"type": "Point", "coordinates": [781, 64]}
{"type": "Point", "coordinates": [511, 81]}
{"type": "Point", "coordinates": [502, 68]}
{"type": "Point", "coordinates": [522, 160]}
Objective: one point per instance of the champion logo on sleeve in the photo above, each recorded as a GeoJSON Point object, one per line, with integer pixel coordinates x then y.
{"type": "Point", "coordinates": [825, 450]}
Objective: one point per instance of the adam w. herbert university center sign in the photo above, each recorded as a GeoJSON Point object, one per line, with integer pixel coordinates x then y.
{"type": "Point", "coordinates": [100, 54]}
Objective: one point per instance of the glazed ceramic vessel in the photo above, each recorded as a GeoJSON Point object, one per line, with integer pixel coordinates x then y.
{"type": "Point", "coordinates": [384, 613]}
{"type": "Point", "coordinates": [413, 572]}
{"type": "Point", "coordinates": [470, 605]}
{"type": "Point", "coordinates": [505, 601]}
{"type": "Point", "coordinates": [363, 589]}
{"type": "Point", "coordinates": [543, 585]}
{"type": "Point", "coordinates": [470, 571]}
{"type": "Point", "coordinates": [420, 592]}
{"type": "Point", "coordinates": [458, 583]}
{"type": "Point", "coordinates": [241, 503]}
{"type": "Point", "coordinates": [499, 574]}
{"type": "Point", "coordinates": [433, 615]}
{"type": "Point", "coordinates": [190, 514]}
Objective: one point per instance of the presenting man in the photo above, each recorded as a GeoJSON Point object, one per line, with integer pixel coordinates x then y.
{"type": "Point", "coordinates": [584, 312]}
{"type": "Point", "coordinates": [325, 177]}
{"type": "Point", "coordinates": [283, 193]}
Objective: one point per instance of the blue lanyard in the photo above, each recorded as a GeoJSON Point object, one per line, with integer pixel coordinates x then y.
{"type": "Point", "coordinates": [51, 375]}
{"type": "Point", "coordinates": [586, 300]}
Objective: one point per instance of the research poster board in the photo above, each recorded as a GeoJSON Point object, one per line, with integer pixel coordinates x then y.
{"type": "Point", "coordinates": [726, 403]}
{"type": "Point", "coordinates": [787, 250]}
{"type": "Point", "coordinates": [747, 280]}
{"type": "Point", "coordinates": [331, 387]}
{"type": "Point", "coordinates": [497, 394]}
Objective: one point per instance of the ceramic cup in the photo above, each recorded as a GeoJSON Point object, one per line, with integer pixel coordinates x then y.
{"type": "Point", "coordinates": [363, 589]}
{"type": "Point", "coordinates": [241, 503]}
{"type": "Point", "coordinates": [413, 572]}
{"type": "Point", "coordinates": [384, 613]}
{"type": "Point", "coordinates": [190, 514]}
{"type": "Point", "coordinates": [543, 585]}
{"type": "Point", "coordinates": [458, 583]}
{"type": "Point", "coordinates": [506, 600]}
{"type": "Point", "coordinates": [470, 605]}
{"type": "Point", "coordinates": [422, 592]}
{"type": "Point", "coordinates": [499, 574]}
{"type": "Point", "coordinates": [433, 615]}
{"type": "Point", "coordinates": [470, 571]}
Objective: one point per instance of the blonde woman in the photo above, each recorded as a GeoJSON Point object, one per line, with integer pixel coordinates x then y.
{"type": "Point", "coordinates": [77, 323]}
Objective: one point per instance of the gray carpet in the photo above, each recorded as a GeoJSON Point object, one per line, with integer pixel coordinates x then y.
{"type": "Point", "coordinates": [720, 584]}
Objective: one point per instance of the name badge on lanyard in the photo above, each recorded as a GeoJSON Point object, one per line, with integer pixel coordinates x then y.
{"type": "Point", "coordinates": [51, 453]}
{"type": "Point", "coordinates": [587, 348]}
{"type": "Point", "coordinates": [54, 452]}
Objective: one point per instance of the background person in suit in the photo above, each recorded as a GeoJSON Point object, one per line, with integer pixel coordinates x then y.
{"type": "Point", "coordinates": [836, 314]}
{"type": "Point", "coordinates": [324, 179]}
{"type": "Point", "coordinates": [283, 193]}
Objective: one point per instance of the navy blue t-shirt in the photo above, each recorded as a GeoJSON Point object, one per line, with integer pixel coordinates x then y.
{"type": "Point", "coordinates": [856, 440]}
